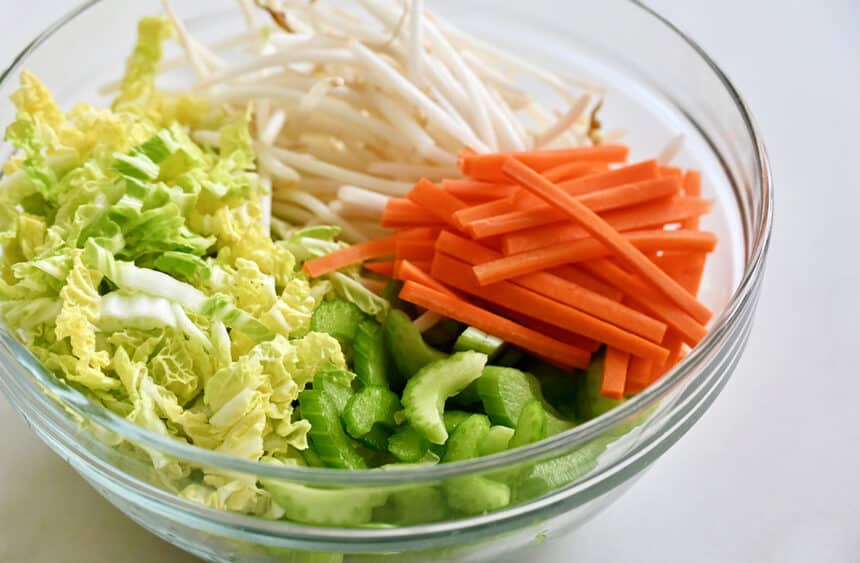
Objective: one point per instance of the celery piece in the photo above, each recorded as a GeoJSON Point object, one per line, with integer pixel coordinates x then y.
{"type": "Point", "coordinates": [407, 346]}
{"type": "Point", "coordinates": [425, 394]}
{"type": "Point", "coordinates": [327, 435]}
{"type": "Point", "coordinates": [372, 405]}
{"type": "Point", "coordinates": [370, 359]}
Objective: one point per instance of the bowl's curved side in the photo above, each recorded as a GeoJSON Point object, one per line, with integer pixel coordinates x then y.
{"type": "Point", "coordinates": [722, 140]}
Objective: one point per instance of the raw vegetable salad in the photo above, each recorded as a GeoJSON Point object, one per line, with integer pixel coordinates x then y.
{"type": "Point", "coordinates": [361, 246]}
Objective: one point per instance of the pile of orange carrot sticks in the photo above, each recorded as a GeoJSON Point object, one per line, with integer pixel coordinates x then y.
{"type": "Point", "coordinates": [557, 252]}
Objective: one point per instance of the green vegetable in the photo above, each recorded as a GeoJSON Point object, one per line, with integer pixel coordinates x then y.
{"type": "Point", "coordinates": [408, 445]}
{"type": "Point", "coordinates": [479, 341]}
{"type": "Point", "coordinates": [425, 394]}
{"type": "Point", "coordinates": [496, 440]}
{"type": "Point", "coordinates": [453, 419]}
{"type": "Point", "coordinates": [326, 434]}
{"type": "Point", "coordinates": [510, 357]}
{"type": "Point", "coordinates": [505, 391]}
{"type": "Point", "coordinates": [589, 401]}
{"type": "Point", "coordinates": [370, 406]}
{"type": "Point", "coordinates": [377, 438]}
{"type": "Point", "coordinates": [473, 494]}
{"type": "Point", "coordinates": [339, 319]}
{"type": "Point", "coordinates": [407, 347]}
{"type": "Point", "coordinates": [443, 333]}
{"type": "Point", "coordinates": [337, 384]}
{"type": "Point", "coordinates": [531, 425]}
{"type": "Point", "coordinates": [418, 505]}
{"type": "Point", "coordinates": [325, 507]}
{"type": "Point", "coordinates": [371, 361]}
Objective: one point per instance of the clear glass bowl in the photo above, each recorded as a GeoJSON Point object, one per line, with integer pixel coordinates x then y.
{"type": "Point", "coordinates": [659, 83]}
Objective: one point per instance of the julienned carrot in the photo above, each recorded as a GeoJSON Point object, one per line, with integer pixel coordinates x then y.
{"type": "Point", "coordinates": [684, 267]}
{"type": "Point", "coordinates": [350, 255]}
{"type": "Point", "coordinates": [423, 265]}
{"type": "Point", "coordinates": [400, 212]}
{"type": "Point", "coordinates": [649, 299]}
{"type": "Point", "coordinates": [644, 216]}
{"type": "Point", "coordinates": [474, 190]}
{"type": "Point", "coordinates": [381, 268]}
{"type": "Point", "coordinates": [638, 375]}
{"type": "Point", "coordinates": [552, 331]}
{"type": "Point", "coordinates": [589, 249]}
{"type": "Point", "coordinates": [586, 280]}
{"type": "Point", "coordinates": [671, 171]}
{"type": "Point", "coordinates": [640, 171]}
{"type": "Point", "coordinates": [614, 373]}
{"type": "Point", "coordinates": [414, 249]}
{"type": "Point", "coordinates": [489, 166]}
{"type": "Point", "coordinates": [559, 289]}
{"type": "Point", "coordinates": [436, 200]}
{"type": "Point", "coordinates": [612, 198]}
{"type": "Point", "coordinates": [418, 233]}
{"type": "Point", "coordinates": [406, 271]}
{"type": "Point", "coordinates": [456, 274]}
{"type": "Point", "coordinates": [693, 188]}
{"type": "Point", "coordinates": [483, 210]}
{"type": "Point", "coordinates": [598, 228]}
{"type": "Point", "coordinates": [509, 331]}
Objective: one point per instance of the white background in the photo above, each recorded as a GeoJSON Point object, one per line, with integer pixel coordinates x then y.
{"type": "Point", "coordinates": [770, 474]}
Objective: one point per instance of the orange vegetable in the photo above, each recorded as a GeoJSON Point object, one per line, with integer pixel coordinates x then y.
{"type": "Point", "coordinates": [590, 249]}
{"type": "Point", "coordinates": [693, 188]}
{"type": "Point", "coordinates": [489, 166]}
{"type": "Point", "coordinates": [455, 273]}
{"type": "Point", "coordinates": [603, 200]}
{"type": "Point", "coordinates": [437, 201]}
{"type": "Point", "coordinates": [414, 249]}
{"type": "Point", "coordinates": [350, 255]}
{"type": "Point", "coordinates": [509, 331]}
{"type": "Point", "coordinates": [586, 280]}
{"type": "Point", "coordinates": [381, 268]}
{"type": "Point", "coordinates": [649, 299]}
{"type": "Point", "coordinates": [559, 289]}
{"type": "Point", "coordinates": [639, 374]}
{"type": "Point", "coordinates": [400, 212]}
{"type": "Point", "coordinates": [474, 190]}
{"type": "Point", "coordinates": [647, 215]}
{"type": "Point", "coordinates": [407, 271]}
{"type": "Point", "coordinates": [598, 228]}
{"type": "Point", "coordinates": [614, 373]}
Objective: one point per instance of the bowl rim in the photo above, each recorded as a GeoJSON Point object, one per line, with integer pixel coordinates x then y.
{"type": "Point", "coordinates": [759, 240]}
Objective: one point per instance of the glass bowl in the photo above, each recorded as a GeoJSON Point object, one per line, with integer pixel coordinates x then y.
{"type": "Point", "coordinates": [659, 84]}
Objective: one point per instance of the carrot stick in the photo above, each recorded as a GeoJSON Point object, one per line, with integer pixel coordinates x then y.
{"type": "Point", "coordinates": [640, 171]}
{"type": "Point", "coordinates": [423, 265]}
{"type": "Point", "coordinates": [638, 375]}
{"type": "Point", "coordinates": [559, 289]}
{"type": "Point", "coordinates": [436, 200]}
{"type": "Point", "coordinates": [400, 212]}
{"type": "Point", "coordinates": [589, 249]}
{"type": "Point", "coordinates": [350, 255]}
{"type": "Point", "coordinates": [418, 233]}
{"type": "Point", "coordinates": [598, 228]}
{"type": "Point", "coordinates": [490, 323]}
{"type": "Point", "coordinates": [675, 343]}
{"type": "Point", "coordinates": [647, 215]}
{"type": "Point", "coordinates": [484, 210]}
{"type": "Point", "coordinates": [649, 299]}
{"type": "Point", "coordinates": [686, 268]}
{"type": "Point", "coordinates": [408, 272]}
{"type": "Point", "coordinates": [671, 172]}
{"type": "Point", "coordinates": [455, 273]}
{"type": "Point", "coordinates": [414, 249]}
{"type": "Point", "coordinates": [489, 166]}
{"type": "Point", "coordinates": [577, 276]}
{"type": "Point", "coordinates": [604, 200]}
{"type": "Point", "coordinates": [473, 190]}
{"type": "Point", "coordinates": [381, 268]}
{"type": "Point", "coordinates": [693, 188]}
{"type": "Point", "coordinates": [614, 373]}
{"type": "Point", "coordinates": [544, 328]}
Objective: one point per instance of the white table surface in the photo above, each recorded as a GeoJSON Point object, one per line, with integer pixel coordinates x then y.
{"type": "Point", "coordinates": [770, 474]}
